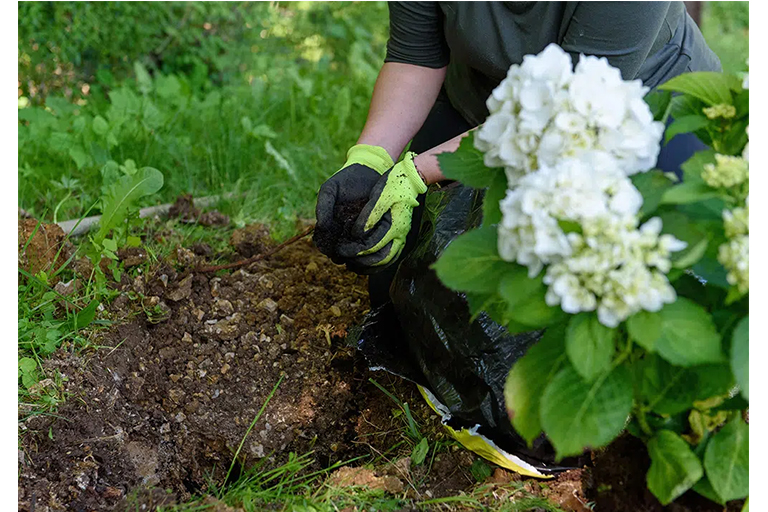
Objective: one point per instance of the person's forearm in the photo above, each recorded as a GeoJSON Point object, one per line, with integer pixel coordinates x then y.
{"type": "Point", "coordinates": [402, 98]}
{"type": "Point", "coordinates": [427, 163]}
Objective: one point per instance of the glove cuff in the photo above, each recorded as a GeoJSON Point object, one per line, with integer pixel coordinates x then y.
{"type": "Point", "coordinates": [412, 173]}
{"type": "Point", "coordinates": [374, 157]}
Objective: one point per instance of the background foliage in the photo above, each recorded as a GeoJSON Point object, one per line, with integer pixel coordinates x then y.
{"type": "Point", "coordinates": [220, 97]}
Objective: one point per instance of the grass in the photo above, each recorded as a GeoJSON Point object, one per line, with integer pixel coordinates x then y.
{"type": "Point", "coordinates": [725, 26]}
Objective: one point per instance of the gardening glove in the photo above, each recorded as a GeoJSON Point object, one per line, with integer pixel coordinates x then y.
{"type": "Point", "coordinates": [343, 195]}
{"type": "Point", "coordinates": [381, 229]}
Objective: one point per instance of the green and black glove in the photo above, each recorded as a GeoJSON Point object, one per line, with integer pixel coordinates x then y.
{"type": "Point", "coordinates": [343, 195]}
{"type": "Point", "coordinates": [383, 225]}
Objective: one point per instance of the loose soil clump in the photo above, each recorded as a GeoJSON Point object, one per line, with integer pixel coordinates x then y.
{"type": "Point", "coordinates": [344, 217]}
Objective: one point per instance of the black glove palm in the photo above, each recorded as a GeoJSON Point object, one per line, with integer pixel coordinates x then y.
{"type": "Point", "coordinates": [341, 199]}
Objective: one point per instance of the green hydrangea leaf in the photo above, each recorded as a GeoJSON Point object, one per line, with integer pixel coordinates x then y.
{"type": "Point", "coordinates": [467, 166]}
{"type": "Point", "coordinates": [589, 345]}
{"type": "Point", "coordinates": [528, 378]}
{"type": "Point", "coordinates": [576, 414]}
{"type": "Point", "coordinates": [726, 460]}
{"type": "Point", "coordinates": [674, 467]}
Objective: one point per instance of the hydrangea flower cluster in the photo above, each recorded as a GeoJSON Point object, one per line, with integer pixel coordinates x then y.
{"type": "Point", "coordinates": [568, 140]}
{"type": "Point", "coordinates": [614, 268]}
{"type": "Point", "coordinates": [726, 172]}
{"type": "Point", "coordinates": [544, 111]}
{"type": "Point", "coordinates": [579, 217]}
{"type": "Point", "coordinates": [734, 254]}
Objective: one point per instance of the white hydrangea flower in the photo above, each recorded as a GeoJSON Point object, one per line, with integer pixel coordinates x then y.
{"type": "Point", "coordinates": [575, 191]}
{"type": "Point", "coordinates": [615, 269]}
{"type": "Point", "coordinates": [734, 256]}
{"type": "Point", "coordinates": [736, 221]}
{"type": "Point", "coordinates": [544, 111]}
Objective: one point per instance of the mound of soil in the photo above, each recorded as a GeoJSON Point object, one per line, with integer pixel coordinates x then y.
{"type": "Point", "coordinates": [169, 405]}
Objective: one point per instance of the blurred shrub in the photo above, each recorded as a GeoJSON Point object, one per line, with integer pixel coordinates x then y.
{"type": "Point", "coordinates": [82, 47]}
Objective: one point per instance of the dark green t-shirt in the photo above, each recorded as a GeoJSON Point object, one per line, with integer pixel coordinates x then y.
{"type": "Point", "coordinates": [479, 41]}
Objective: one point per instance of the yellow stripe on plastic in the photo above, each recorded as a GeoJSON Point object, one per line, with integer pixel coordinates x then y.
{"type": "Point", "coordinates": [482, 447]}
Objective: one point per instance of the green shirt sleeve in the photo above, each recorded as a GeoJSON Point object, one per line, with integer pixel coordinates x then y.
{"type": "Point", "coordinates": [623, 32]}
{"type": "Point", "coordinates": [416, 35]}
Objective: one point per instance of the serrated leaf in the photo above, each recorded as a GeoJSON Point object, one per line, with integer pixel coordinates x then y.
{"type": "Point", "coordinates": [589, 345]}
{"type": "Point", "coordinates": [668, 389]}
{"type": "Point", "coordinates": [420, 451]}
{"type": "Point", "coordinates": [726, 460]}
{"type": "Point", "coordinates": [711, 87]}
{"type": "Point", "coordinates": [471, 262]}
{"type": "Point", "coordinates": [674, 467]}
{"type": "Point", "coordinates": [740, 355]}
{"type": "Point", "coordinates": [466, 165]}
{"type": "Point", "coordinates": [493, 196]}
{"type": "Point", "coordinates": [685, 124]}
{"type": "Point", "coordinates": [688, 335]}
{"type": "Point", "coordinates": [123, 194]}
{"type": "Point", "coordinates": [528, 378]}
{"type": "Point", "coordinates": [576, 415]}
{"type": "Point", "coordinates": [688, 192]}
{"type": "Point", "coordinates": [167, 87]}
{"type": "Point", "coordinates": [644, 328]}
{"type": "Point", "coordinates": [525, 299]}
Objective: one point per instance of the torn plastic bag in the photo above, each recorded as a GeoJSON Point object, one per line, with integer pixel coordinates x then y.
{"type": "Point", "coordinates": [425, 335]}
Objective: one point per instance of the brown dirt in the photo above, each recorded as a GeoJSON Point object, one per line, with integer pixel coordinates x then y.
{"type": "Point", "coordinates": [43, 249]}
{"type": "Point", "coordinates": [619, 473]}
{"type": "Point", "coordinates": [185, 210]}
{"type": "Point", "coordinates": [168, 407]}
{"type": "Point", "coordinates": [160, 409]}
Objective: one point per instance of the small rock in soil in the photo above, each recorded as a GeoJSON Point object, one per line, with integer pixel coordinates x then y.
{"type": "Point", "coordinates": [181, 290]}
{"type": "Point", "coordinates": [185, 257]}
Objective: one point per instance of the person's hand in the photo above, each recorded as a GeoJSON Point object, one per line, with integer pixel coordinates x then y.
{"type": "Point", "coordinates": [381, 228]}
{"type": "Point", "coordinates": [344, 194]}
